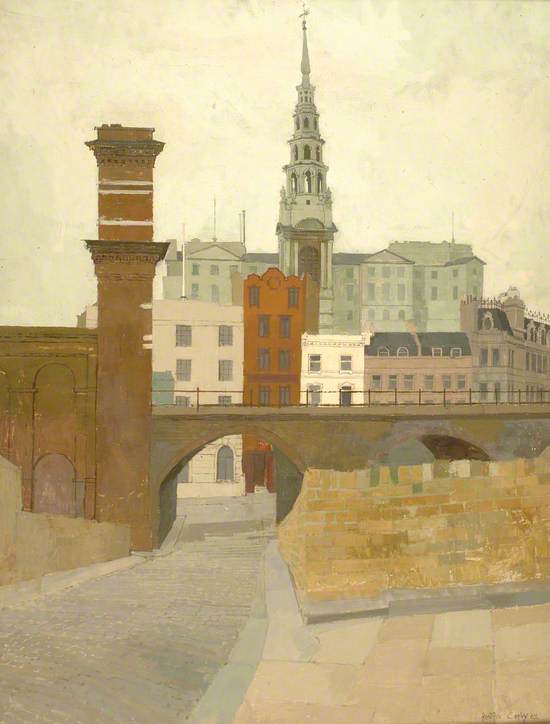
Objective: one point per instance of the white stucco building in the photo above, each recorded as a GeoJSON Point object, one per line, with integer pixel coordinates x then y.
{"type": "Point", "coordinates": [333, 368]}
{"type": "Point", "coordinates": [198, 344]}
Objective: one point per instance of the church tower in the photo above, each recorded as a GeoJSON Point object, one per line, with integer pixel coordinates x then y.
{"type": "Point", "coordinates": [305, 229]}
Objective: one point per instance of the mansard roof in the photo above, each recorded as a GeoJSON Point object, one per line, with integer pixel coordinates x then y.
{"type": "Point", "coordinates": [499, 318]}
{"type": "Point", "coordinates": [391, 341]}
{"type": "Point", "coordinates": [444, 341]}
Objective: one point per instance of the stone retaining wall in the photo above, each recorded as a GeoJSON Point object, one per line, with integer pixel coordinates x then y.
{"type": "Point", "coordinates": [357, 534]}
{"type": "Point", "coordinates": [34, 544]}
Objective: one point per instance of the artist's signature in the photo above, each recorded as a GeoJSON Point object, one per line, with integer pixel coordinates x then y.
{"type": "Point", "coordinates": [513, 716]}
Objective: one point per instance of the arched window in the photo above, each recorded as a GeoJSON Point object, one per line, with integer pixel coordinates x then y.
{"type": "Point", "coordinates": [308, 262]}
{"type": "Point", "coordinates": [225, 467]}
{"type": "Point", "coordinates": [294, 183]}
{"type": "Point", "coordinates": [297, 122]}
{"type": "Point", "coordinates": [319, 182]}
{"type": "Point", "coordinates": [402, 352]}
{"type": "Point", "coordinates": [307, 152]}
{"type": "Point", "coordinates": [308, 182]}
{"type": "Point", "coordinates": [306, 122]}
{"type": "Point", "coordinates": [383, 352]}
{"type": "Point", "coordinates": [318, 153]}
{"type": "Point", "coordinates": [488, 322]}
{"type": "Point", "coordinates": [295, 153]}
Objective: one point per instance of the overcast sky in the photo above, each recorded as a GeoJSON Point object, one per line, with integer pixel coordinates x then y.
{"type": "Point", "coordinates": [425, 107]}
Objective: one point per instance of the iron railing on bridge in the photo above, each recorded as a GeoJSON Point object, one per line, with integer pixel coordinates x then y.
{"type": "Point", "coordinates": [206, 397]}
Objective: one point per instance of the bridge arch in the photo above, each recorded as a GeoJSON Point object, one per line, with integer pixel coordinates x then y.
{"type": "Point", "coordinates": [429, 445]}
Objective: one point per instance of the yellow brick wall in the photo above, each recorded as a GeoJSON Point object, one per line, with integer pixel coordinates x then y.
{"type": "Point", "coordinates": [355, 534]}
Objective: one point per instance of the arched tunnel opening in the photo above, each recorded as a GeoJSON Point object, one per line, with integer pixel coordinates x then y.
{"type": "Point", "coordinates": [431, 447]}
{"type": "Point", "coordinates": [240, 474]}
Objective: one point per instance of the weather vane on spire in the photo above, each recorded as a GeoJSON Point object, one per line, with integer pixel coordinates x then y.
{"type": "Point", "coordinates": [304, 14]}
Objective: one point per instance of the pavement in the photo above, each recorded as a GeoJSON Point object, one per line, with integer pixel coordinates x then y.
{"type": "Point", "coordinates": [210, 632]}
{"type": "Point", "coordinates": [455, 666]}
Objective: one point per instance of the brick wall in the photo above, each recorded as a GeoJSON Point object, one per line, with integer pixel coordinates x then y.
{"type": "Point", "coordinates": [356, 534]}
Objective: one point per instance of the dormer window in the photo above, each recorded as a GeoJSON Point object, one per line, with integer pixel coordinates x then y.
{"type": "Point", "coordinates": [402, 352]}
{"type": "Point", "coordinates": [456, 352]}
{"type": "Point", "coordinates": [487, 322]}
{"type": "Point", "coordinates": [383, 352]}
{"type": "Point", "coordinates": [437, 352]}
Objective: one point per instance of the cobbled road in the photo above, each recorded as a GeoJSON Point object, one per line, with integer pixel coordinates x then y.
{"type": "Point", "coordinates": [141, 645]}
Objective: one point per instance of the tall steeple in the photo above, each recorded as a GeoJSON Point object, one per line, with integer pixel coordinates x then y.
{"type": "Point", "coordinates": [305, 228]}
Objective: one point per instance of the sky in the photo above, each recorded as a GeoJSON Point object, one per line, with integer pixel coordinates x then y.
{"type": "Point", "coordinates": [427, 107]}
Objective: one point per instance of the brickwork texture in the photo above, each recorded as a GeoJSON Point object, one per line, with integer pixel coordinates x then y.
{"type": "Point", "coordinates": [360, 533]}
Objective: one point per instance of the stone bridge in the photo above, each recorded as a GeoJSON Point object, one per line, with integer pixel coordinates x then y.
{"type": "Point", "coordinates": [348, 438]}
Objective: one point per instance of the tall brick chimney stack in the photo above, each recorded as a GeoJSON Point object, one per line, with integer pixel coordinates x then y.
{"type": "Point", "coordinates": [125, 258]}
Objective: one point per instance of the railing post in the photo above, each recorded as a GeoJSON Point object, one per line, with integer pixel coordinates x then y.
{"type": "Point", "coordinates": [519, 396]}
{"type": "Point", "coordinates": [470, 396]}
{"type": "Point", "coordinates": [419, 396]}
{"type": "Point", "coordinates": [197, 398]}
{"type": "Point", "coordinates": [395, 396]}
{"type": "Point", "coordinates": [369, 396]}
{"type": "Point", "coordinates": [444, 398]}
{"type": "Point", "coordinates": [307, 396]}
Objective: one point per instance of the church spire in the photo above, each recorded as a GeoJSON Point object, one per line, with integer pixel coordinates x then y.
{"type": "Point", "coordinates": [305, 67]}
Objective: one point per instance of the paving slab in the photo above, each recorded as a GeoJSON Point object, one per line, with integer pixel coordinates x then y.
{"type": "Point", "coordinates": [469, 629]}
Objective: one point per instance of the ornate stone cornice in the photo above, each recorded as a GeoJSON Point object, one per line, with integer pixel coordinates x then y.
{"type": "Point", "coordinates": [125, 151]}
{"type": "Point", "coordinates": [126, 252]}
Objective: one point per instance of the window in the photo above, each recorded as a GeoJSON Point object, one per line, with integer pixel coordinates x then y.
{"type": "Point", "coordinates": [225, 370]}
{"type": "Point", "coordinates": [349, 315]}
{"type": "Point", "coordinates": [386, 271]}
{"type": "Point", "coordinates": [183, 369]}
{"type": "Point", "coordinates": [383, 352]}
{"type": "Point", "coordinates": [455, 292]}
{"type": "Point", "coordinates": [402, 352]}
{"type": "Point", "coordinates": [386, 314]}
{"type": "Point", "coordinates": [215, 293]}
{"type": "Point", "coordinates": [314, 363]}
{"type": "Point", "coordinates": [293, 296]}
{"type": "Point", "coordinates": [428, 382]}
{"type": "Point", "coordinates": [497, 391]}
{"type": "Point", "coordinates": [184, 334]}
{"type": "Point", "coordinates": [527, 361]}
{"type": "Point", "coordinates": [307, 177]}
{"type": "Point", "coordinates": [401, 292]}
{"type": "Point", "coordinates": [400, 271]}
{"type": "Point", "coordinates": [284, 395]}
{"type": "Point", "coordinates": [319, 182]}
{"type": "Point", "coordinates": [456, 352]}
{"type": "Point", "coordinates": [434, 294]}
{"type": "Point", "coordinates": [461, 382]}
{"type": "Point", "coordinates": [263, 325]}
{"type": "Point", "coordinates": [345, 363]}
{"type": "Point", "coordinates": [263, 359]}
{"type": "Point", "coordinates": [510, 358]}
{"type": "Point", "coordinates": [455, 272]}
{"type": "Point", "coordinates": [295, 153]}
{"type": "Point", "coordinates": [483, 388]}
{"type": "Point", "coordinates": [371, 271]}
{"type": "Point", "coordinates": [284, 359]}
{"type": "Point", "coordinates": [265, 395]}
{"type": "Point", "coordinates": [401, 314]}
{"type": "Point", "coordinates": [195, 270]}
{"type": "Point", "coordinates": [376, 382]}
{"type": "Point", "coordinates": [307, 152]}
{"type": "Point", "coordinates": [294, 183]}
{"type": "Point", "coordinates": [314, 394]}
{"type": "Point", "coordinates": [183, 401]}
{"type": "Point", "coordinates": [254, 296]}
{"type": "Point", "coordinates": [225, 336]}
{"type": "Point", "coordinates": [392, 382]}
{"type": "Point", "coordinates": [483, 357]}
{"type": "Point", "coordinates": [233, 269]}
{"type": "Point", "coordinates": [371, 314]}
{"type": "Point", "coordinates": [495, 357]}
{"type": "Point", "coordinates": [487, 322]}
{"type": "Point", "coordinates": [409, 381]}
{"type": "Point", "coordinates": [385, 292]}
{"type": "Point", "coordinates": [306, 122]}
{"type": "Point", "coordinates": [194, 291]}
{"type": "Point", "coordinates": [371, 292]}
{"type": "Point", "coordinates": [297, 122]}
{"type": "Point", "coordinates": [434, 275]}
{"type": "Point", "coordinates": [224, 400]}
{"type": "Point", "coordinates": [318, 153]}
{"type": "Point", "coordinates": [214, 270]}
{"type": "Point", "coordinates": [437, 352]}
{"type": "Point", "coordinates": [349, 292]}
{"type": "Point", "coordinates": [446, 379]}
{"type": "Point", "coordinates": [284, 327]}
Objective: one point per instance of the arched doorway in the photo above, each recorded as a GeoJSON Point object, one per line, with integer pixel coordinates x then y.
{"type": "Point", "coordinates": [308, 262]}
{"type": "Point", "coordinates": [225, 464]}
{"type": "Point", "coordinates": [53, 487]}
